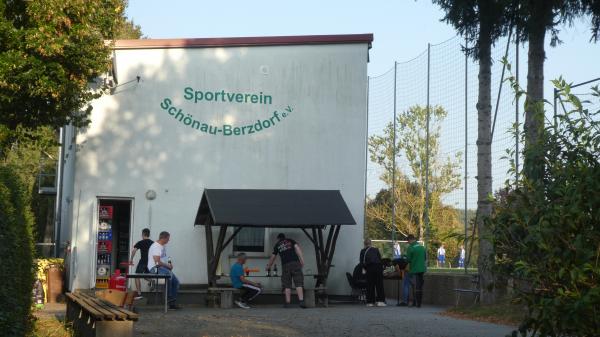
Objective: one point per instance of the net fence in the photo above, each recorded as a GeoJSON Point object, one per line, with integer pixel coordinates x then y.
{"type": "Point", "coordinates": [444, 79]}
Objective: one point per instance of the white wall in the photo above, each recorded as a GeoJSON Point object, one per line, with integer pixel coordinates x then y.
{"type": "Point", "coordinates": [133, 145]}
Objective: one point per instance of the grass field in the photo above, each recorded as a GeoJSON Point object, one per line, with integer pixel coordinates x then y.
{"type": "Point", "coordinates": [451, 270]}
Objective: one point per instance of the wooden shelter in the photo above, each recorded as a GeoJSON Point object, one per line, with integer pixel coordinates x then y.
{"type": "Point", "coordinates": [320, 214]}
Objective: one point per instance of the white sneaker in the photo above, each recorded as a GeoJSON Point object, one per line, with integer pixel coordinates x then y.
{"type": "Point", "coordinates": [241, 304]}
{"type": "Point", "coordinates": [370, 305]}
{"type": "Point", "coordinates": [381, 304]}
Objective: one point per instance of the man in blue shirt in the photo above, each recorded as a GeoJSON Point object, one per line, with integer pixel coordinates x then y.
{"type": "Point", "coordinates": [248, 288]}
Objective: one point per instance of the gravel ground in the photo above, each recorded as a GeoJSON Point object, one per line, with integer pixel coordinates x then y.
{"type": "Point", "coordinates": [337, 320]}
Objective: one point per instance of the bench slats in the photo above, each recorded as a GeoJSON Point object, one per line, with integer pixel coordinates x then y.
{"type": "Point", "coordinates": [107, 314]}
{"type": "Point", "coordinates": [101, 309]}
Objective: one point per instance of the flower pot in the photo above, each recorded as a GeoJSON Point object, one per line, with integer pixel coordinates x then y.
{"type": "Point", "coordinates": [54, 279]}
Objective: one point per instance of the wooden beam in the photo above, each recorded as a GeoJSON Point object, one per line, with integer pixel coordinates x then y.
{"type": "Point", "coordinates": [228, 241]}
{"type": "Point", "coordinates": [321, 245]}
{"type": "Point", "coordinates": [330, 257]}
{"type": "Point", "coordinates": [328, 243]}
{"type": "Point", "coordinates": [219, 250]}
{"type": "Point", "coordinates": [209, 252]}
{"type": "Point", "coordinates": [317, 256]}
{"type": "Point", "coordinates": [309, 237]}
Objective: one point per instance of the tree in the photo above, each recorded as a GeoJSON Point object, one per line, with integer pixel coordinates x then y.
{"type": "Point", "coordinates": [534, 18]}
{"type": "Point", "coordinates": [549, 245]}
{"type": "Point", "coordinates": [16, 253]}
{"type": "Point", "coordinates": [410, 188]}
{"type": "Point", "coordinates": [50, 51]}
{"type": "Point", "coordinates": [481, 22]}
{"type": "Point", "coordinates": [127, 29]}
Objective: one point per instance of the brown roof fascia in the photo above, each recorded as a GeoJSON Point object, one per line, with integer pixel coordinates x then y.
{"type": "Point", "coordinates": [242, 41]}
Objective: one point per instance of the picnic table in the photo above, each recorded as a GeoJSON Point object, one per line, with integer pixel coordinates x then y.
{"type": "Point", "coordinates": [156, 277]}
{"type": "Point", "coordinates": [310, 294]}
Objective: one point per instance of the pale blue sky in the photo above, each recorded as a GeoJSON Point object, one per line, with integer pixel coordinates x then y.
{"type": "Point", "coordinates": [402, 28]}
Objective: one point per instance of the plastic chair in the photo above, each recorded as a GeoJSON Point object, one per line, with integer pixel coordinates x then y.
{"type": "Point", "coordinates": [359, 294]}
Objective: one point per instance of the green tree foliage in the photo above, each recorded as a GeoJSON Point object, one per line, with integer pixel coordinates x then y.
{"type": "Point", "coordinates": [16, 251]}
{"type": "Point", "coordinates": [547, 233]}
{"type": "Point", "coordinates": [31, 152]}
{"type": "Point", "coordinates": [127, 29]}
{"type": "Point", "coordinates": [50, 52]}
{"type": "Point", "coordinates": [444, 177]}
{"type": "Point", "coordinates": [534, 19]}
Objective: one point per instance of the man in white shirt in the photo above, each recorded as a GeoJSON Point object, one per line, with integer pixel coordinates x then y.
{"type": "Point", "coordinates": [441, 256]}
{"type": "Point", "coordinates": [159, 263]}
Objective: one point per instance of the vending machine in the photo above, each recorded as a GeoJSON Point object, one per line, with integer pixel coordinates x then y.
{"type": "Point", "coordinates": [104, 247]}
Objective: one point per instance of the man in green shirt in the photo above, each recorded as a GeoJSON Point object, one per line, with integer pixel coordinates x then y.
{"type": "Point", "coordinates": [417, 267]}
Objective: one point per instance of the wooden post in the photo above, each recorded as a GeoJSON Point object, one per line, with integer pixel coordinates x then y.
{"type": "Point", "coordinates": [317, 256]}
{"type": "Point", "coordinates": [332, 250]}
{"type": "Point", "coordinates": [209, 252]}
{"type": "Point", "coordinates": [218, 251]}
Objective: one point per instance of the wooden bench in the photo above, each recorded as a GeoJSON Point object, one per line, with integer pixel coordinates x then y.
{"type": "Point", "coordinates": [95, 317]}
{"type": "Point", "coordinates": [226, 294]}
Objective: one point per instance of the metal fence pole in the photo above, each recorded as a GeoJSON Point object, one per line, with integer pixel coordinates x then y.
{"type": "Point", "coordinates": [394, 162]}
{"type": "Point", "coordinates": [517, 111]}
{"type": "Point", "coordinates": [466, 145]}
{"type": "Point", "coordinates": [427, 149]}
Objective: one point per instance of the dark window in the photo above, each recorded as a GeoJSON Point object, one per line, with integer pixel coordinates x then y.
{"type": "Point", "coordinates": [250, 240]}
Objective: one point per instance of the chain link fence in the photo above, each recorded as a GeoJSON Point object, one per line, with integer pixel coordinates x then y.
{"type": "Point", "coordinates": [433, 97]}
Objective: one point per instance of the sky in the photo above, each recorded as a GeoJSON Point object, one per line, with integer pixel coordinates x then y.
{"type": "Point", "coordinates": [401, 28]}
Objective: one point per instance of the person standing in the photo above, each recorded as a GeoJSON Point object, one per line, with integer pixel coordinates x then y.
{"type": "Point", "coordinates": [372, 266]}
{"type": "Point", "coordinates": [461, 258]}
{"type": "Point", "coordinates": [159, 263]}
{"type": "Point", "coordinates": [292, 262]}
{"type": "Point", "coordinates": [142, 267]}
{"type": "Point", "coordinates": [397, 250]}
{"type": "Point", "coordinates": [441, 256]}
{"type": "Point", "coordinates": [416, 257]}
{"type": "Point", "coordinates": [248, 288]}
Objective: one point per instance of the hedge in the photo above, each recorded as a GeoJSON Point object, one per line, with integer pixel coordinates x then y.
{"type": "Point", "coordinates": [16, 254]}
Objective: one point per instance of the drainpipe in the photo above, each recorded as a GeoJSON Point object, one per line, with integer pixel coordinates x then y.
{"type": "Point", "coordinates": [59, 193]}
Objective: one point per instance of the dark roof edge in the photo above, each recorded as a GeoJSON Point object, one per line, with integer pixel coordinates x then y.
{"type": "Point", "coordinates": [242, 41]}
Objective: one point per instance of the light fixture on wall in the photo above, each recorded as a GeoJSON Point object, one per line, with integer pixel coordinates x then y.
{"type": "Point", "coordinates": [150, 194]}
{"type": "Point", "coordinates": [113, 86]}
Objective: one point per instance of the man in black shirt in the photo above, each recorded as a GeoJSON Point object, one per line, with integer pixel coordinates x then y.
{"type": "Point", "coordinates": [370, 258]}
{"type": "Point", "coordinates": [292, 262]}
{"type": "Point", "coordinates": [142, 267]}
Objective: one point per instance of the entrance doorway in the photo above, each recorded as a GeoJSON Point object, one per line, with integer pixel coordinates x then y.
{"type": "Point", "coordinates": [113, 237]}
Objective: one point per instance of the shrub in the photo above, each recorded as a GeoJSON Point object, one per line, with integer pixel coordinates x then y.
{"type": "Point", "coordinates": [547, 233]}
{"type": "Point", "coordinates": [16, 254]}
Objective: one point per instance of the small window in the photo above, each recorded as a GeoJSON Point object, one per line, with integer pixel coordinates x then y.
{"type": "Point", "coordinates": [250, 240]}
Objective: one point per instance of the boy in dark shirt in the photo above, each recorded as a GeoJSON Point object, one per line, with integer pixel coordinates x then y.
{"type": "Point", "coordinates": [292, 262]}
{"type": "Point", "coordinates": [142, 267]}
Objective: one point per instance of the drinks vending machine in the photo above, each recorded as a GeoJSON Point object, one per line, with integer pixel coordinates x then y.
{"type": "Point", "coordinates": [104, 246]}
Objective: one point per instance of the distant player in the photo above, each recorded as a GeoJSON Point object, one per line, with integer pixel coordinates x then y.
{"type": "Point", "coordinates": [441, 256]}
{"type": "Point", "coordinates": [461, 258]}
